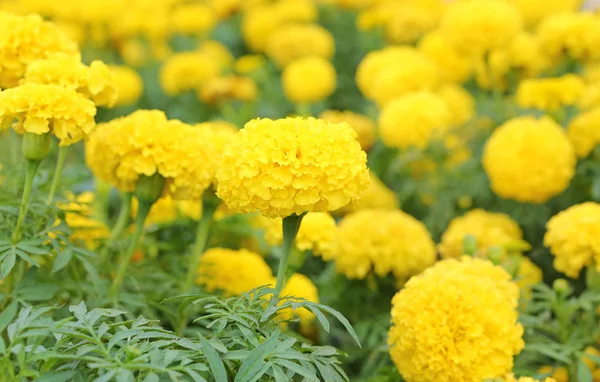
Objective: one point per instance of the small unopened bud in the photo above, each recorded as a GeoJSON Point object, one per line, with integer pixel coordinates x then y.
{"type": "Point", "coordinates": [36, 146]}
{"type": "Point", "coordinates": [150, 188]}
{"type": "Point", "coordinates": [469, 245]}
{"type": "Point", "coordinates": [560, 286]}
{"type": "Point", "coordinates": [495, 254]}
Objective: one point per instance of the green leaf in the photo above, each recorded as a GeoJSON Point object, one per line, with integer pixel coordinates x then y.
{"type": "Point", "coordinates": [8, 264]}
{"type": "Point", "coordinates": [260, 373]}
{"type": "Point", "coordinates": [298, 369]}
{"type": "Point", "coordinates": [151, 378]}
{"type": "Point", "coordinates": [249, 335]}
{"type": "Point", "coordinates": [214, 360]}
{"type": "Point", "coordinates": [32, 249]}
{"type": "Point", "coordinates": [341, 319]}
{"type": "Point", "coordinates": [584, 374]}
{"type": "Point", "coordinates": [8, 315]}
{"type": "Point", "coordinates": [62, 260]}
{"type": "Point", "coordinates": [320, 316]}
{"type": "Point", "coordinates": [195, 376]}
{"type": "Point", "coordinates": [256, 359]}
{"type": "Point", "coordinates": [106, 377]}
{"type": "Point", "coordinates": [26, 257]}
{"type": "Point", "coordinates": [57, 377]}
{"type": "Point", "coordinates": [39, 292]}
{"type": "Point", "coordinates": [279, 374]}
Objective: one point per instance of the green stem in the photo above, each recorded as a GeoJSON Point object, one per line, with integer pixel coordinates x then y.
{"type": "Point", "coordinates": [202, 234]}
{"type": "Point", "coordinates": [143, 210]}
{"type": "Point", "coordinates": [60, 163]}
{"type": "Point", "coordinates": [291, 225]}
{"type": "Point", "coordinates": [32, 166]}
{"type": "Point", "coordinates": [304, 110]}
{"type": "Point", "coordinates": [123, 217]}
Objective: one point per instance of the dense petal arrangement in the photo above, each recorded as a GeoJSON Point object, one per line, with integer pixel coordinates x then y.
{"type": "Point", "coordinates": [291, 166]}
{"type": "Point", "coordinates": [575, 35]}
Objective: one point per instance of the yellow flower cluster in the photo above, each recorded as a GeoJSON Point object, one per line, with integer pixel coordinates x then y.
{"type": "Point", "coordinates": [363, 125]}
{"type": "Point", "coordinates": [451, 321]}
{"type": "Point", "coordinates": [94, 82]}
{"type": "Point", "coordinates": [308, 80]}
{"type": "Point", "coordinates": [39, 109]}
{"type": "Point", "coordinates": [460, 103]}
{"type": "Point", "coordinates": [318, 233]}
{"type": "Point", "coordinates": [453, 66]}
{"type": "Point", "coordinates": [219, 89]}
{"type": "Point", "coordinates": [300, 286]}
{"type": "Point", "coordinates": [573, 237]}
{"type": "Point", "coordinates": [188, 71]}
{"type": "Point", "coordinates": [232, 272]}
{"type": "Point", "coordinates": [79, 217]}
{"type": "Point", "coordinates": [584, 132]}
{"type": "Point", "coordinates": [575, 35]}
{"type": "Point", "coordinates": [529, 160]}
{"type": "Point", "coordinates": [144, 143]}
{"type": "Point", "coordinates": [166, 210]}
{"type": "Point", "coordinates": [414, 120]}
{"type": "Point", "coordinates": [550, 94]}
{"type": "Point", "coordinates": [294, 41]}
{"type": "Point", "coordinates": [383, 241]}
{"type": "Point", "coordinates": [488, 228]}
{"type": "Point", "coordinates": [193, 19]}
{"type": "Point", "coordinates": [128, 83]}
{"type": "Point", "coordinates": [24, 39]}
{"type": "Point", "coordinates": [395, 71]}
{"type": "Point", "coordinates": [291, 166]}
{"type": "Point", "coordinates": [377, 196]}
{"type": "Point", "coordinates": [533, 11]}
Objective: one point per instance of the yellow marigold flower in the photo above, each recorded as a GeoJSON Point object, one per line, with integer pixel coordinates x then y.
{"type": "Point", "coordinates": [79, 217]}
{"type": "Point", "coordinates": [249, 63]}
{"type": "Point", "coordinates": [133, 53]}
{"type": "Point", "coordinates": [291, 42]}
{"type": "Point", "coordinates": [219, 52]}
{"type": "Point", "coordinates": [40, 108]}
{"type": "Point", "coordinates": [512, 378]}
{"type": "Point", "coordinates": [318, 233]}
{"type": "Point", "coordinates": [187, 71]}
{"type": "Point", "coordinates": [413, 120]}
{"type": "Point", "coordinates": [166, 210]}
{"type": "Point", "coordinates": [453, 66]}
{"type": "Point", "coordinates": [584, 132]}
{"type": "Point", "coordinates": [490, 229]}
{"type": "Point", "coordinates": [590, 98]}
{"type": "Point", "coordinates": [377, 196]}
{"type": "Point", "coordinates": [448, 322]}
{"type": "Point", "coordinates": [395, 71]}
{"type": "Point", "coordinates": [478, 26]}
{"type": "Point", "coordinates": [383, 241]}
{"type": "Point", "coordinates": [576, 35]}
{"type": "Point", "coordinates": [411, 19]}
{"type": "Point", "coordinates": [95, 82]}
{"type": "Point", "coordinates": [196, 19]}
{"type": "Point", "coordinates": [559, 374]}
{"type": "Point", "coordinates": [363, 125]}
{"type": "Point", "coordinates": [128, 83]}
{"type": "Point", "coordinates": [550, 94]}
{"type": "Point", "coordinates": [308, 80]}
{"type": "Point", "coordinates": [529, 160]}
{"type": "Point", "coordinates": [292, 165]}
{"type": "Point", "coordinates": [573, 237]}
{"type": "Point", "coordinates": [232, 272]}
{"type": "Point", "coordinates": [533, 11]}
{"type": "Point", "coordinates": [460, 102]}
{"type": "Point", "coordinates": [223, 89]}
{"type": "Point", "coordinates": [24, 39]}
{"type": "Point", "coordinates": [221, 133]}
{"type": "Point", "coordinates": [300, 286]}
{"type": "Point", "coordinates": [298, 10]}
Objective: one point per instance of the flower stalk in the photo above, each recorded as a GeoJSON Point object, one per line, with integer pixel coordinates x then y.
{"type": "Point", "coordinates": [290, 226]}
{"type": "Point", "coordinates": [60, 163]}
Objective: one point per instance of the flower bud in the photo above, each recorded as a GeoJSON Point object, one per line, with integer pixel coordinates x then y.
{"type": "Point", "coordinates": [469, 245]}
{"type": "Point", "coordinates": [560, 286]}
{"type": "Point", "coordinates": [150, 188]}
{"type": "Point", "coordinates": [36, 146]}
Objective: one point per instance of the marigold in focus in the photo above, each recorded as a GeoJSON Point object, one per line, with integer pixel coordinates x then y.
{"type": "Point", "coordinates": [584, 132]}
{"type": "Point", "coordinates": [363, 125]}
{"type": "Point", "coordinates": [383, 241]}
{"type": "Point", "coordinates": [187, 71]}
{"type": "Point", "coordinates": [128, 83]}
{"type": "Point", "coordinates": [292, 165]}
{"type": "Point", "coordinates": [308, 80]}
{"type": "Point", "coordinates": [40, 109]}
{"type": "Point", "coordinates": [573, 237]}
{"type": "Point", "coordinates": [451, 321]}
{"type": "Point", "coordinates": [550, 94]}
{"type": "Point", "coordinates": [295, 41]}
{"type": "Point", "coordinates": [529, 160]}
{"type": "Point", "coordinates": [232, 272]}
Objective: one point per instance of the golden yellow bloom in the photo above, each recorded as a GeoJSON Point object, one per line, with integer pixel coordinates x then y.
{"type": "Point", "coordinates": [196, 19]}
{"type": "Point", "coordinates": [221, 133]}
{"type": "Point", "coordinates": [576, 35]}
{"type": "Point", "coordinates": [383, 241]}
{"type": "Point", "coordinates": [363, 125]}
{"type": "Point", "coordinates": [478, 26]}
{"type": "Point", "coordinates": [292, 165]}
{"type": "Point", "coordinates": [187, 71]}
{"type": "Point", "coordinates": [408, 20]}
{"type": "Point", "coordinates": [395, 71]}
{"type": "Point", "coordinates": [529, 160]}
{"type": "Point", "coordinates": [79, 217]}
{"type": "Point", "coordinates": [223, 89]}
{"type": "Point", "coordinates": [24, 39]}
{"type": "Point", "coordinates": [39, 109]}
{"type": "Point", "coordinates": [533, 11]}
{"type": "Point", "coordinates": [291, 42]}
{"type": "Point", "coordinates": [95, 82]}
{"type": "Point", "coordinates": [489, 229]}
{"type": "Point", "coordinates": [308, 80]}
{"type": "Point", "coordinates": [225, 8]}
{"type": "Point", "coordinates": [550, 94]}
{"type": "Point", "coordinates": [249, 63]}
{"type": "Point", "coordinates": [460, 103]}
{"type": "Point", "coordinates": [318, 233]}
{"type": "Point", "coordinates": [584, 132]}
{"type": "Point", "coordinates": [448, 322]}
{"type": "Point", "coordinates": [129, 85]}
{"type": "Point", "coordinates": [413, 120]}
{"type": "Point", "coordinates": [300, 286]}
{"type": "Point", "coordinates": [453, 66]}
{"type": "Point", "coordinates": [232, 272]}
{"type": "Point", "coordinates": [219, 52]}
{"type": "Point", "coordinates": [377, 196]}
{"type": "Point", "coordinates": [573, 238]}
{"type": "Point", "coordinates": [590, 98]}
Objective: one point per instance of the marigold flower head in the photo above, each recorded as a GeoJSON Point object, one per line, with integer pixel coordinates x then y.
{"type": "Point", "coordinates": [476, 26]}
{"type": "Point", "coordinates": [575, 35]}
{"type": "Point", "coordinates": [383, 241]}
{"type": "Point", "coordinates": [308, 80]}
{"type": "Point", "coordinates": [232, 272]}
{"type": "Point", "coordinates": [300, 286]}
{"type": "Point", "coordinates": [40, 108]}
{"type": "Point", "coordinates": [550, 94]}
{"type": "Point", "coordinates": [291, 166]}
{"type": "Point", "coordinates": [196, 19]}
{"type": "Point", "coordinates": [128, 83]}
{"type": "Point", "coordinates": [377, 196]}
{"type": "Point", "coordinates": [490, 229]}
{"type": "Point", "coordinates": [573, 237]}
{"type": "Point", "coordinates": [223, 89]}
{"type": "Point", "coordinates": [249, 63]}
{"type": "Point", "coordinates": [453, 65]}
{"type": "Point", "coordinates": [221, 133]}
{"type": "Point", "coordinates": [584, 132]}
{"type": "Point", "coordinates": [294, 41]}
{"type": "Point", "coordinates": [455, 322]}
{"type": "Point", "coordinates": [395, 71]}
{"type": "Point", "coordinates": [533, 11]}
{"type": "Point", "coordinates": [460, 102]}
{"type": "Point", "coordinates": [363, 125]}
{"type": "Point", "coordinates": [413, 120]}
{"type": "Point", "coordinates": [24, 39]}
{"type": "Point", "coordinates": [411, 19]}
{"type": "Point", "coordinates": [187, 71]}
{"type": "Point", "coordinates": [318, 233]}
{"type": "Point", "coordinates": [529, 160]}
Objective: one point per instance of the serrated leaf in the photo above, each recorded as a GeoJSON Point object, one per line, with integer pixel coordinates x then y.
{"type": "Point", "coordinates": [256, 359]}
{"type": "Point", "coordinates": [62, 260]}
{"type": "Point", "coordinates": [8, 264]}
{"type": "Point", "coordinates": [214, 360]}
